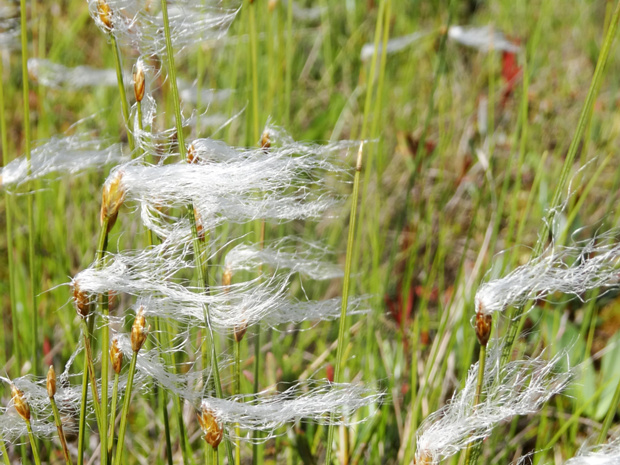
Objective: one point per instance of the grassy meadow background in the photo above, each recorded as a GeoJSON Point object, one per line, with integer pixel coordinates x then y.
{"type": "Point", "coordinates": [465, 151]}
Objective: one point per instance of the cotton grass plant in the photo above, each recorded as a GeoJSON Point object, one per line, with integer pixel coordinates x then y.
{"type": "Point", "coordinates": [223, 252]}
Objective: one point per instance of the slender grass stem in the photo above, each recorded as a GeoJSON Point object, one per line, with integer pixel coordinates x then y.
{"type": "Point", "coordinates": [105, 348]}
{"type": "Point", "coordinates": [82, 424]}
{"type": "Point", "coordinates": [345, 295]}
{"type": "Point", "coordinates": [9, 228]}
{"type": "Point", "coordinates": [33, 444]}
{"type": "Point", "coordinates": [31, 231]}
{"type": "Point", "coordinates": [610, 415]}
{"type": "Point", "coordinates": [121, 90]}
{"type": "Point", "coordinates": [112, 415]}
{"type": "Point", "coordinates": [237, 390]}
{"type": "Point", "coordinates": [5, 453]}
{"type": "Point", "coordinates": [257, 457]}
{"type": "Point", "coordinates": [254, 62]}
{"type": "Point", "coordinates": [472, 451]}
{"type": "Point", "coordinates": [61, 433]}
{"type": "Point", "coordinates": [125, 412]}
{"type": "Point", "coordinates": [91, 370]}
{"type": "Point", "coordinates": [518, 315]}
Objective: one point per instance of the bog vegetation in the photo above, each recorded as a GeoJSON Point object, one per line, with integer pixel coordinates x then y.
{"type": "Point", "coordinates": [309, 232]}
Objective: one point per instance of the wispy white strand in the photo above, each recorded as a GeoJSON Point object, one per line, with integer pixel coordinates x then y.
{"type": "Point", "coordinates": [57, 76]}
{"type": "Point", "coordinates": [9, 27]}
{"type": "Point", "coordinates": [484, 38]}
{"type": "Point", "coordinates": [570, 270]}
{"type": "Point", "coordinates": [289, 252]}
{"type": "Point", "coordinates": [139, 24]}
{"type": "Point", "coordinates": [393, 45]}
{"type": "Point", "coordinates": [519, 388]}
{"type": "Point", "coordinates": [13, 428]}
{"type": "Point", "coordinates": [602, 454]}
{"type": "Point", "coordinates": [61, 156]}
{"type": "Point", "coordinates": [307, 401]}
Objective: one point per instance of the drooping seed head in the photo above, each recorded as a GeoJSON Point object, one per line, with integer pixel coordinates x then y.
{"type": "Point", "coordinates": [484, 324]}
{"type": "Point", "coordinates": [105, 14]}
{"type": "Point", "coordinates": [81, 300]}
{"type": "Point", "coordinates": [138, 81]}
{"type": "Point", "coordinates": [139, 331]}
{"type": "Point", "coordinates": [116, 356]}
{"type": "Point", "coordinates": [21, 406]}
{"type": "Point", "coordinates": [112, 198]}
{"type": "Point", "coordinates": [214, 432]}
{"type": "Point", "coordinates": [51, 382]}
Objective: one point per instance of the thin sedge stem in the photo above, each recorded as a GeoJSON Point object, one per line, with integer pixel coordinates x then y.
{"type": "Point", "coordinates": [125, 412]}
{"type": "Point", "coordinates": [87, 329]}
{"type": "Point", "coordinates": [254, 62]}
{"type": "Point", "coordinates": [9, 229]}
{"type": "Point", "coordinates": [121, 90]}
{"type": "Point", "coordinates": [61, 432]}
{"type": "Point", "coordinates": [237, 390]}
{"type": "Point", "coordinates": [5, 453]}
{"type": "Point", "coordinates": [518, 315]}
{"type": "Point", "coordinates": [82, 427]}
{"type": "Point", "coordinates": [196, 240]}
{"type": "Point", "coordinates": [113, 415]}
{"type": "Point", "coordinates": [27, 147]}
{"type": "Point", "coordinates": [33, 444]}
{"type": "Point", "coordinates": [256, 455]}
{"type": "Point", "coordinates": [472, 452]}
{"type": "Point", "coordinates": [345, 295]}
{"type": "Point", "coordinates": [105, 348]}
{"type": "Point", "coordinates": [611, 413]}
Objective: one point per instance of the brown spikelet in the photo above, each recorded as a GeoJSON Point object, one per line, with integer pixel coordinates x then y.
{"type": "Point", "coordinates": [200, 230]}
{"type": "Point", "coordinates": [81, 300]}
{"type": "Point", "coordinates": [265, 141]}
{"type": "Point", "coordinates": [138, 83]}
{"type": "Point", "coordinates": [191, 154]}
{"type": "Point", "coordinates": [112, 198]}
{"type": "Point", "coordinates": [423, 460]}
{"type": "Point", "coordinates": [139, 331]}
{"type": "Point", "coordinates": [272, 5]}
{"type": "Point", "coordinates": [483, 328]}
{"type": "Point", "coordinates": [116, 356]}
{"type": "Point", "coordinates": [51, 382]}
{"type": "Point", "coordinates": [21, 406]}
{"type": "Point", "coordinates": [105, 13]}
{"type": "Point", "coordinates": [211, 427]}
{"type": "Point", "coordinates": [226, 279]}
{"type": "Point", "coordinates": [239, 331]}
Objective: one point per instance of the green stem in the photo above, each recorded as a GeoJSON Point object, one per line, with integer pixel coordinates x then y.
{"type": "Point", "coordinates": [472, 451]}
{"type": "Point", "coordinates": [121, 90]}
{"type": "Point", "coordinates": [113, 415]}
{"type": "Point", "coordinates": [5, 454]}
{"type": "Point", "coordinates": [257, 457]}
{"type": "Point", "coordinates": [9, 229]}
{"type": "Point", "coordinates": [345, 295]}
{"type": "Point", "coordinates": [518, 315]}
{"type": "Point", "coordinates": [87, 329]}
{"type": "Point", "coordinates": [105, 349]}
{"type": "Point", "coordinates": [237, 390]}
{"type": "Point", "coordinates": [33, 444]}
{"type": "Point", "coordinates": [83, 400]}
{"type": "Point", "coordinates": [253, 55]}
{"type": "Point", "coordinates": [610, 415]}
{"type": "Point", "coordinates": [27, 138]}
{"type": "Point", "coordinates": [61, 433]}
{"type": "Point", "coordinates": [125, 412]}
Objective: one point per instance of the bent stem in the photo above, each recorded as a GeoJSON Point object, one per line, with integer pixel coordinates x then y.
{"type": "Point", "coordinates": [125, 412]}
{"type": "Point", "coordinates": [112, 415]}
{"type": "Point", "coordinates": [345, 296]}
{"type": "Point", "coordinates": [610, 415]}
{"type": "Point", "coordinates": [33, 444]}
{"type": "Point", "coordinates": [61, 433]}
{"type": "Point", "coordinates": [121, 90]}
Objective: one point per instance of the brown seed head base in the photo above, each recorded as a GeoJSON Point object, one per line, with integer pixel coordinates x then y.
{"type": "Point", "coordinates": [265, 142]}
{"type": "Point", "coordinates": [191, 154]}
{"type": "Point", "coordinates": [112, 198]}
{"type": "Point", "coordinates": [105, 13]}
{"type": "Point", "coordinates": [139, 331]}
{"type": "Point", "coordinates": [138, 83]}
{"type": "Point", "coordinates": [51, 382]}
{"type": "Point", "coordinates": [214, 433]}
{"type": "Point", "coordinates": [240, 331]}
{"type": "Point", "coordinates": [200, 230]}
{"type": "Point", "coordinates": [226, 279]}
{"type": "Point", "coordinates": [483, 327]}
{"type": "Point", "coordinates": [116, 356]}
{"type": "Point", "coordinates": [21, 406]}
{"type": "Point", "coordinates": [81, 300]}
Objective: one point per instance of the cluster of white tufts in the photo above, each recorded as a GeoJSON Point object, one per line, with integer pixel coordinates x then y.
{"type": "Point", "coordinates": [570, 270]}
{"type": "Point", "coordinates": [518, 388]}
{"type": "Point", "coordinates": [62, 156]}
{"type": "Point", "coordinates": [139, 24]}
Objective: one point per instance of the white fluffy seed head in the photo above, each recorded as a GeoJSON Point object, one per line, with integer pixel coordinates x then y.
{"type": "Point", "coordinates": [309, 400]}
{"type": "Point", "coordinates": [601, 454]}
{"type": "Point", "coordinates": [570, 270]}
{"type": "Point", "coordinates": [519, 388]}
{"type": "Point", "coordinates": [61, 156]}
{"type": "Point", "coordinates": [483, 38]}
